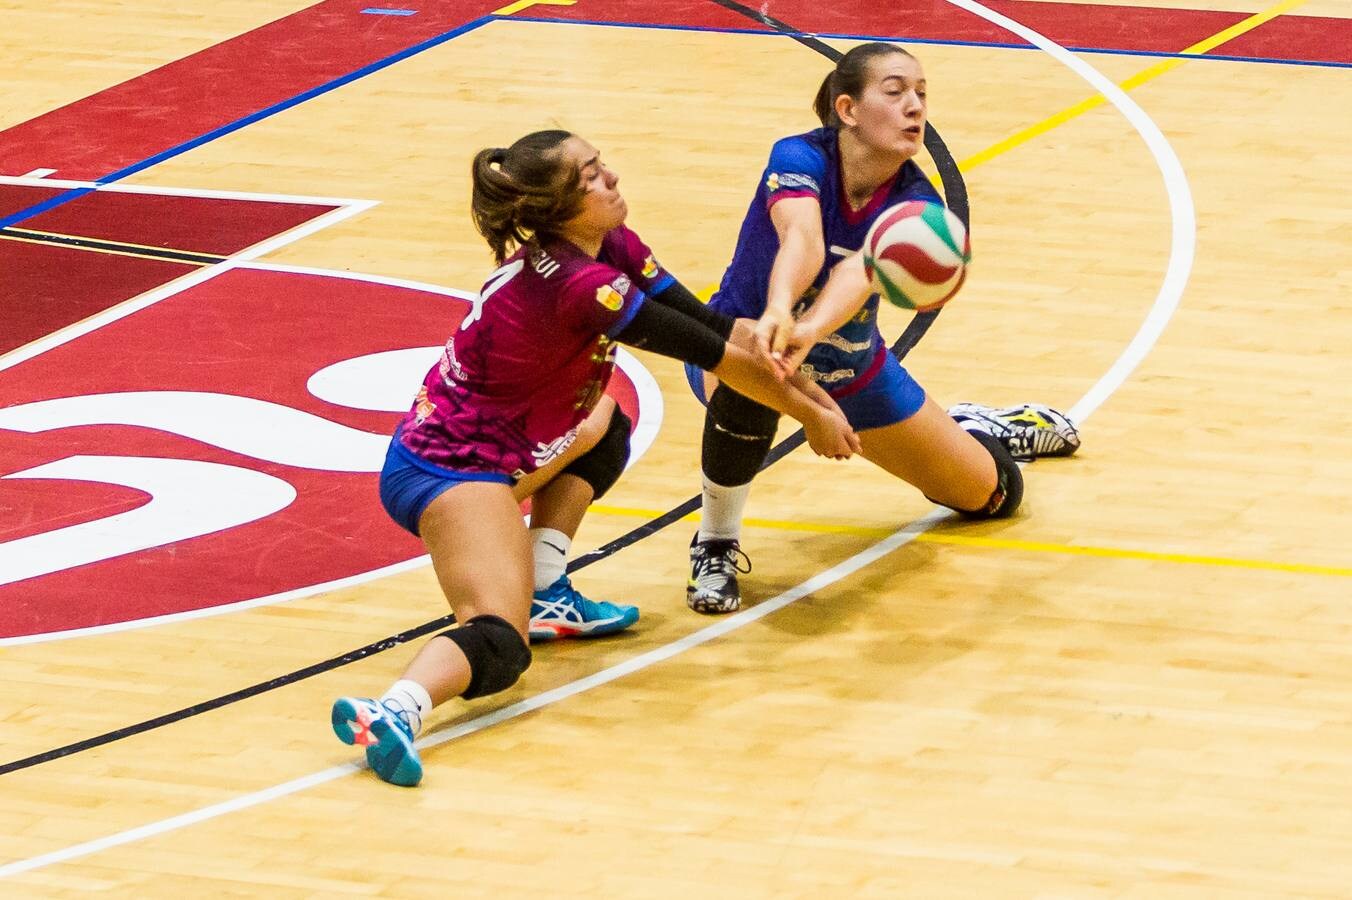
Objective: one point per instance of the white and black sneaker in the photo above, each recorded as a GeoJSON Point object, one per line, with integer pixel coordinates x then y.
{"type": "Point", "coordinates": [1028, 431]}
{"type": "Point", "coordinates": [714, 565]}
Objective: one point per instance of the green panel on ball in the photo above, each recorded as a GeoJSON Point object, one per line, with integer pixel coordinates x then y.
{"type": "Point", "coordinates": [892, 291]}
{"type": "Point", "coordinates": [935, 218]}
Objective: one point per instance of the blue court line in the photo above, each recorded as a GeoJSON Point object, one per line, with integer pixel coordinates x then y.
{"type": "Point", "coordinates": [377, 11]}
{"type": "Point", "coordinates": [76, 193]}
{"type": "Point", "coordinates": [935, 41]}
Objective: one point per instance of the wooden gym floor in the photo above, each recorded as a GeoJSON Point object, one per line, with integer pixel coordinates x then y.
{"type": "Point", "coordinates": [1139, 688]}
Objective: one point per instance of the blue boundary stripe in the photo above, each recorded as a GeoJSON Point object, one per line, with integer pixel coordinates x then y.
{"type": "Point", "coordinates": [935, 41]}
{"type": "Point", "coordinates": [76, 193]}
{"type": "Point", "coordinates": [381, 11]}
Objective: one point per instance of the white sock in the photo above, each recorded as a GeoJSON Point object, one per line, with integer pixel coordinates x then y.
{"type": "Point", "coordinates": [411, 700]}
{"type": "Point", "coordinates": [722, 518]}
{"type": "Point", "coordinates": [550, 548]}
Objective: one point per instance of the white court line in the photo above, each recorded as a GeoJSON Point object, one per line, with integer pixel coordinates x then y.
{"type": "Point", "coordinates": [1183, 240]}
{"type": "Point", "coordinates": [33, 180]}
{"type": "Point", "coordinates": [651, 413]}
{"type": "Point", "coordinates": [650, 407]}
{"type": "Point", "coordinates": [38, 173]}
{"type": "Point", "coordinates": [488, 720]}
{"type": "Point", "coordinates": [1182, 250]}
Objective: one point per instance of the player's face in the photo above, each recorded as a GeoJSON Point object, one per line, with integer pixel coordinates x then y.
{"type": "Point", "coordinates": [603, 209]}
{"type": "Point", "coordinates": [890, 114]}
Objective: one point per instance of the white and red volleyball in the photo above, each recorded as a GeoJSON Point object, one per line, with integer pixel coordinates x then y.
{"type": "Point", "coordinates": [916, 255]}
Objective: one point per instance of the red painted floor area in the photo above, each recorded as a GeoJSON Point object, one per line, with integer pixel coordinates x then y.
{"type": "Point", "coordinates": [197, 224]}
{"type": "Point", "coordinates": [45, 288]}
{"type": "Point", "coordinates": [185, 99]}
{"type": "Point", "coordinates": [246, 333]}
{"type": "Point", "coordinates": [48, 287]}
{"type": "Point", "coordinates": [190, 97]}
{"type": "Point", "coordinates": [1088, 26]}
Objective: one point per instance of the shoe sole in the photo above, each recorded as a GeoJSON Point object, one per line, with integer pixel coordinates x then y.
{"type": "Point", "coordinates": [1050, 425]}
{"type": "Point", "coordinates": [391, 754]}
{"type": "Point", "coordinates": [541, 632]}
{"type": "Point", "coordinates": [1054, 435]}
{"type": "Point", "coordinates": [711, 606]}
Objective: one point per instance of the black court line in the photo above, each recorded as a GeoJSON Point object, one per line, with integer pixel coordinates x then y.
{"type": "Point", "coordinates": [85, 243]}
{"type": "Point", "coordinates": [956, 192]}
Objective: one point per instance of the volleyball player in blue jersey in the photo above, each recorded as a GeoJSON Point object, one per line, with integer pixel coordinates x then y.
{"type": "Point", "coordinates": [797, 270]}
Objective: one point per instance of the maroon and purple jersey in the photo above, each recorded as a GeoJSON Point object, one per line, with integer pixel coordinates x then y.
{"type": "Point", "coordinates": [532, 357]}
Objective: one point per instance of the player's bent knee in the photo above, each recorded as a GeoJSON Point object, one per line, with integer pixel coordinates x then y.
{"type": "Point", "coordinates": [1008, 494]}
{"type": "Point", "coordinates": [738, 432]}
{"type": "Point", "coordinates": [602, 465]}
{"type": "Point", "coordinates": [496, 651]}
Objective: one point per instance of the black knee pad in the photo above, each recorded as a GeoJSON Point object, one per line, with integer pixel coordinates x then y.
{"type": "Point", "coordinates": [737, 435]}
{"type": "Point", "coordinates": [1008, 493]}
{"type": "Point", "coordinates": [602, 465]}
{"type": "Point", "coordinates": [496, 652]}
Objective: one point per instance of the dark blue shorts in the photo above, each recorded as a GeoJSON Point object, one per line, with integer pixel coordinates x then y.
{"type": "Point", "coordinates": [409, 483]}
{"type": "Point", "coordinates": [889, 397]}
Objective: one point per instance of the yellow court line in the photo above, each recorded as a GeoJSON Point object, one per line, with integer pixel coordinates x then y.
{"type": "Point", "coordinates": [1022, 137]}
{"type": "Point", "coordinates": [109, 251]}
{"type": "Point", "coordinates": [513, 8]}
{"type": "Point", "coordinates": [929, 537]}
{"type": "Point", "coordinates": [122, 246]}
{"type": "Point", "coordinates": [112, 241]}
{"type": "Point", "coordinates": [1140, 78]}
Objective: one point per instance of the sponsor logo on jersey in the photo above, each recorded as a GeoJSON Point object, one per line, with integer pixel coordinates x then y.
{"type": "Point", "coordinates": [547, 452]}
{"type": "Point", "coordinates": [423, 406]}
{"type": "Point", "coordinates": [449, 368]}
{"type": "Point", "coordinates": [840, 343]}
{"type": "Point", "coordinates": [611, 299]}
{"type": "Point", "coordinates": [826, 377]}
{"type": "Point", "coordinates": [792, 181]}
{"type": "Point", "coordinates": [650, 267]}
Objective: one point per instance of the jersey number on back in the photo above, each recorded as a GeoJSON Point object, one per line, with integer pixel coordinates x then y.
{"type": "Point", "coordinates": [496, 282]}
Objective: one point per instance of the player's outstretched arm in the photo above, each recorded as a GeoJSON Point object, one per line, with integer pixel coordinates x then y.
{"type": "Point", "coordinates": [828, 434]}
{"type": "Point", "coordinates": [846, 290]}
{"type": "Point", "coordinates": [802, 251]}
{"type": "Point", "coordinates": [666, 331]}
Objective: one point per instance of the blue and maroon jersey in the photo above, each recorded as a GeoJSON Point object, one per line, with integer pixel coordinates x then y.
{"type": "Point", "coordinates": [532, 357]}
{"type": "Point", "coordinates": [808, 165]}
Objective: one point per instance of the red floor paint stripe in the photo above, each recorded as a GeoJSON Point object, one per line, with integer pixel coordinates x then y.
{"type": "Point", "coordinates": [47, 288]}
{"type": "Point", "coordinates": [1297, 38]}
{"type": "Point", "coordinates": [14, 197]}
{"type": "Point", "coordinates": [1072, 24]}
{"type": "Point", "coordinates": [1091, 26]}
{"type": "Point", "coordinates": [190, 97]}
{"type": "Point", "coordinates": [195, 224]}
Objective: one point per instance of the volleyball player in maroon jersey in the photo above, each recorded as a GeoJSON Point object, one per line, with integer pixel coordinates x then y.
{"type": "Point", "coordinates": [515, 409]}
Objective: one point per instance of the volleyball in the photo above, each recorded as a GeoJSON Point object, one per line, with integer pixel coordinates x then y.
{"type": "Point", "coordinates": [916, 255]}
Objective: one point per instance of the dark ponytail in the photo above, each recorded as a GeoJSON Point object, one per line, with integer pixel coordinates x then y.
{"type": "Point", "coordinates": [850, 76]}
{"type": "Point", "coordinates": [523, 192]}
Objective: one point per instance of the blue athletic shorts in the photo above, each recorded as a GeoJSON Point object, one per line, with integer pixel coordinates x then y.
{"type": "Point", "coordinates": [408, 483]}
{"type": "Point", "coordinates": [889, 397]}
